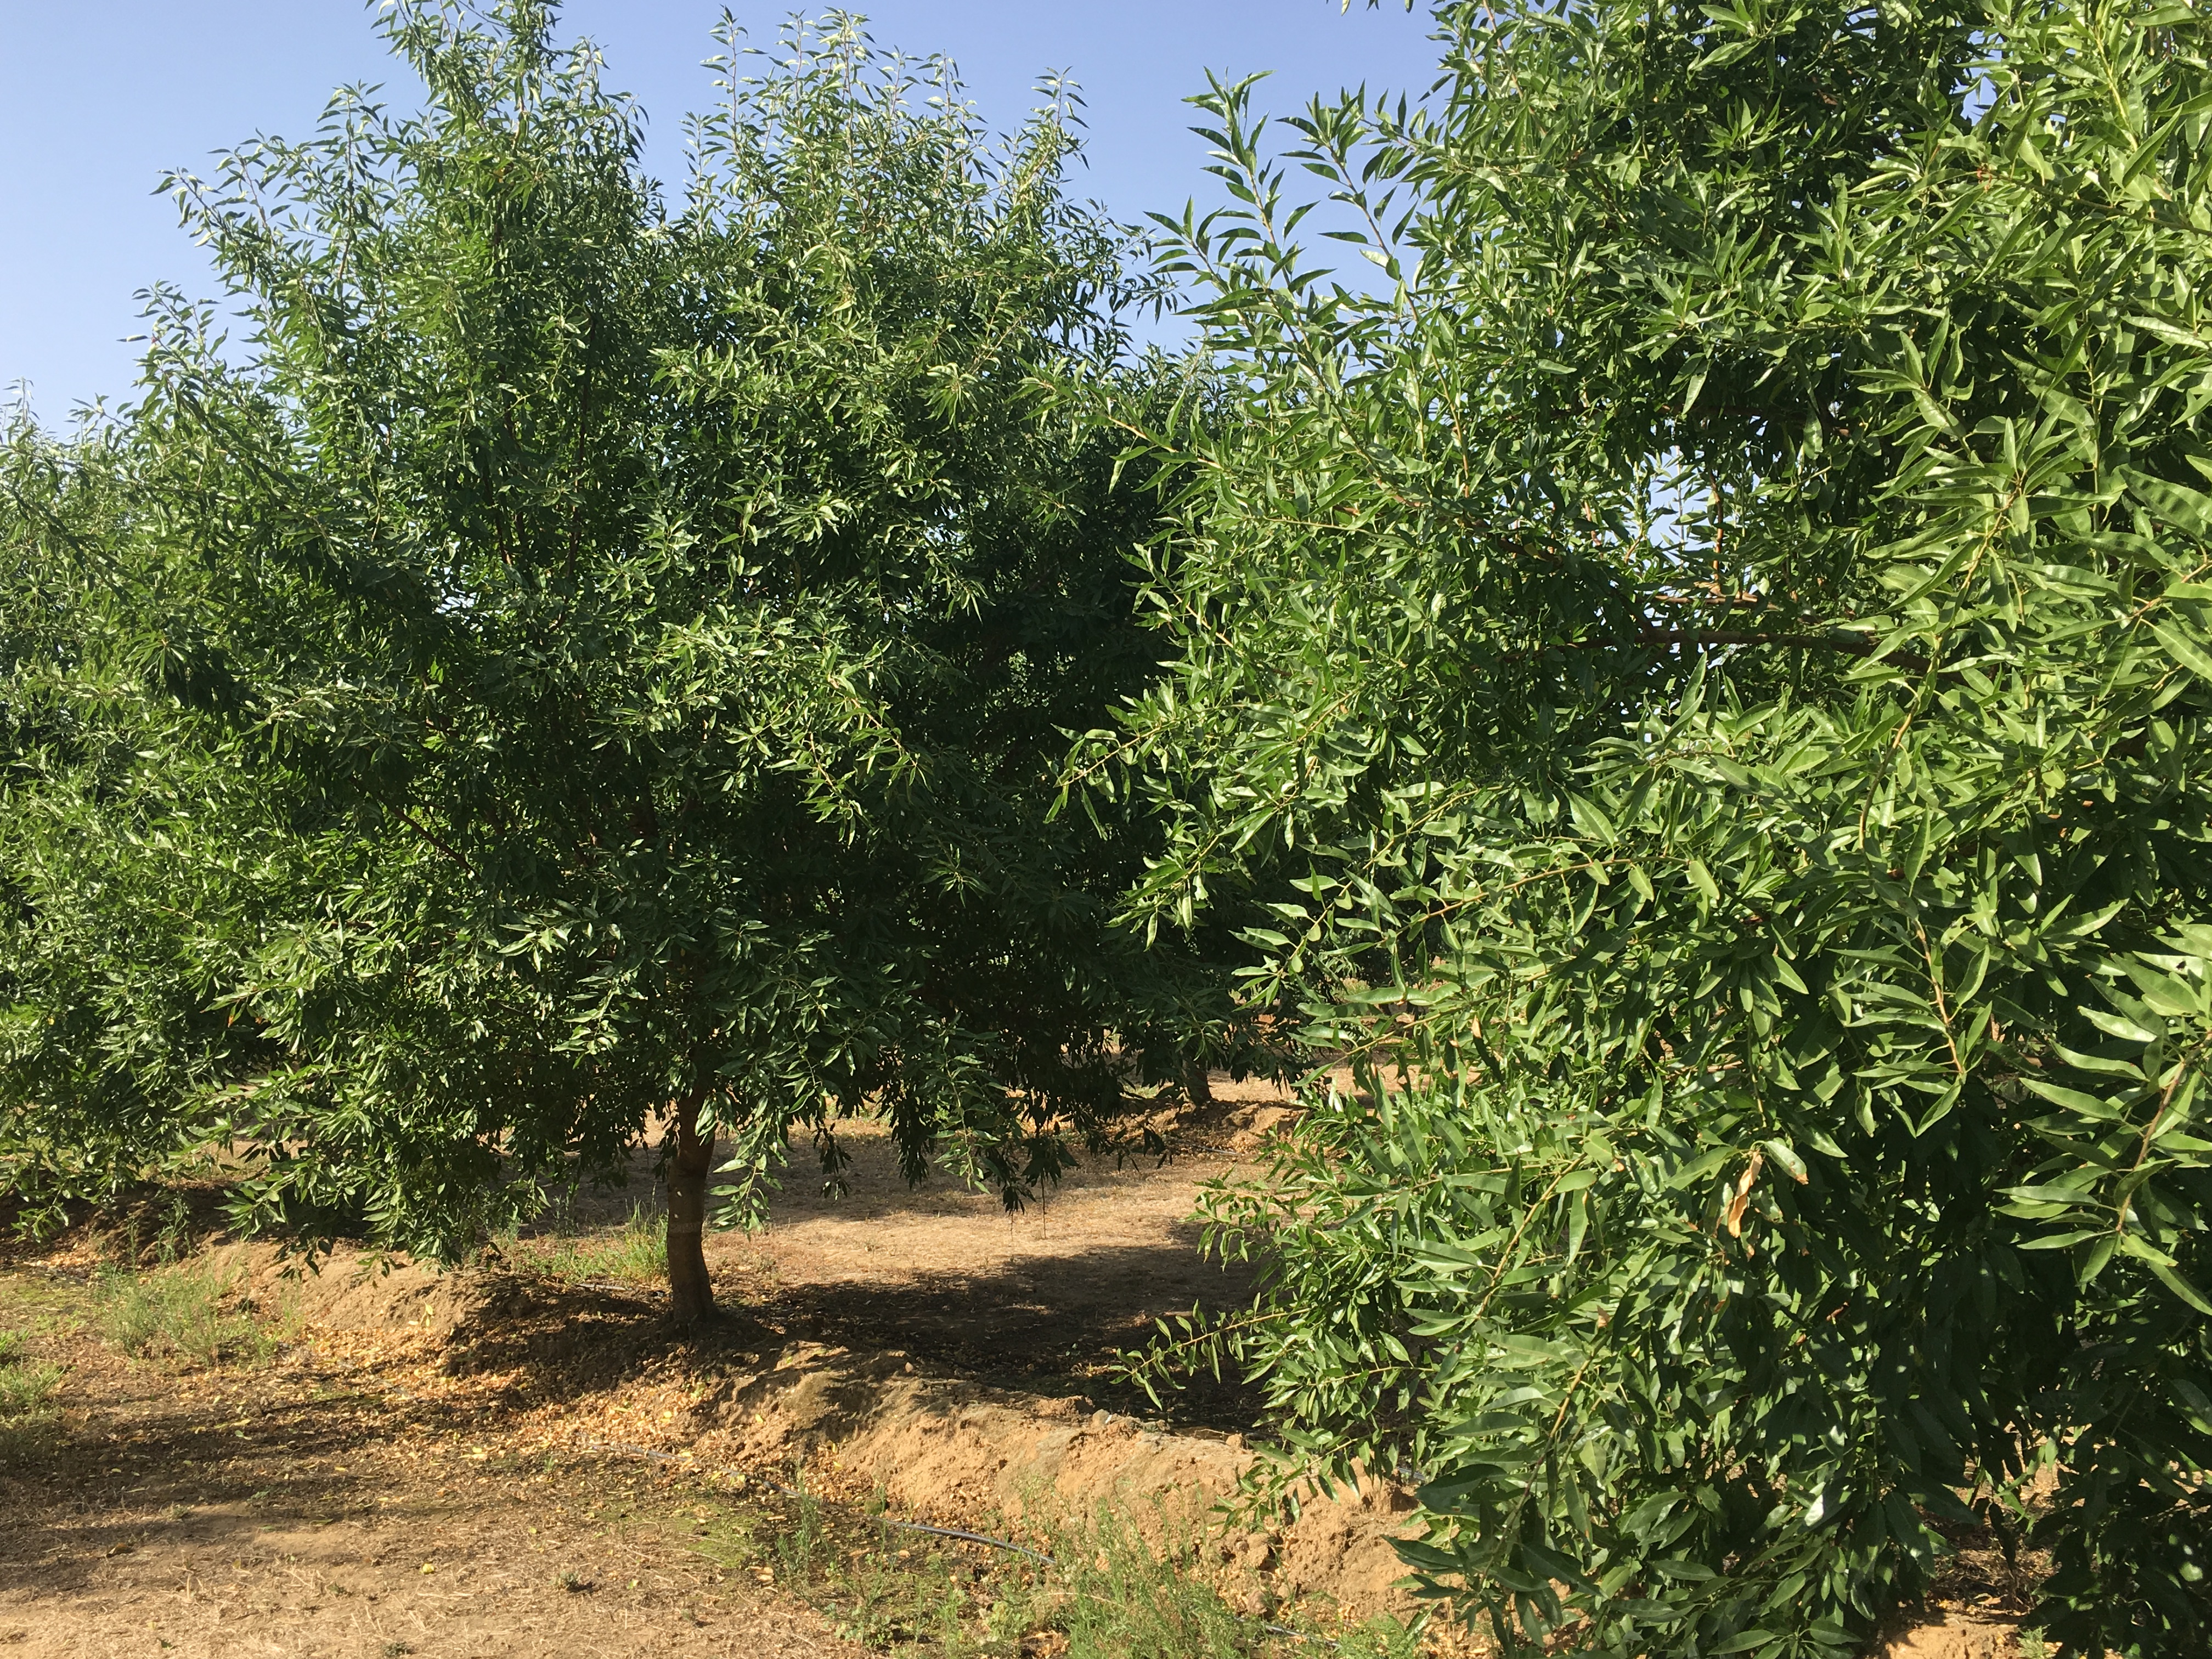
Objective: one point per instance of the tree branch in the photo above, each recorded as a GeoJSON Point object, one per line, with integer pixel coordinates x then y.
{"type": "Point", "coordinates": [1854, 645]}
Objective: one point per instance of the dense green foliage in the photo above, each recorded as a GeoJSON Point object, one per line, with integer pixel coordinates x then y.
{"type": "Point", "coordinates": [1712, 654]}
{"type": "Point", "coordinates": [1704, 663]}
{"type": "Point", "coordinates": [581, 656]}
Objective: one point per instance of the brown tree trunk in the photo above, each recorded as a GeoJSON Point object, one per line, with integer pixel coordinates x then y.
{"type": "Point", "coordinates": [691, 1292]}
{"type": "Point", "coordinates": [1198, 1083]}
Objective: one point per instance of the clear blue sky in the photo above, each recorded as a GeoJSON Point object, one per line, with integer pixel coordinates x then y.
{"type": "Point", "coordinates": [99, 97]}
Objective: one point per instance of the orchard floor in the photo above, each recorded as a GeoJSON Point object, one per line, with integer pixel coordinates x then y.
{"type": "Point", "coordinates": [1044, 1299]}
{"type": "Point", "coordinates": [415, 1473]}
{"type": "Point", "coordinates": [394, 1482]}
{"type": "Point", "coordinates": [310, 1509]}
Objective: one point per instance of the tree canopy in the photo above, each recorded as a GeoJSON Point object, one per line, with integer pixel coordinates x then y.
{"type": "Point", "coordinates": [1709, 655]}
{"type": "Point", "coordinates": [583, 662]}
{"type": "Point", "coordinates": [1690, 680]}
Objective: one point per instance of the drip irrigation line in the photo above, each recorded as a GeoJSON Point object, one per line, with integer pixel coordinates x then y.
{"type": "Point", "coordinates": [626, 1449]}
{"type": "Point", "coordinates": [971, 1537]}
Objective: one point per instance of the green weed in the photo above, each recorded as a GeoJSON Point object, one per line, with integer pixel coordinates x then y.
{"type": "Point", "coordinates": [638, 1253]}
{"type": "Point", "coordinates": [25, 1388]}
{"type": "Point", "coordinates": [1109, 1594]}
{"type": "Point", "coordinates": [1118, 1599]}
{"type": "Point", "coordinates": [183, 1311]}
{"type": "Point", "coordinates": [26, 1395]}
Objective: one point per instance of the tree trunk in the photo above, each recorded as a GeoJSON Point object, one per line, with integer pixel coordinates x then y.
{"type": "Point", "coordinates": [691, 1292]}
{"type": "Point", "coordinates": [1198, 1083]}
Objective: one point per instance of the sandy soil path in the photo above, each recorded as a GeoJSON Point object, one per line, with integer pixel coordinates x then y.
{"type": "Point", "coordinates": [319, 1508]}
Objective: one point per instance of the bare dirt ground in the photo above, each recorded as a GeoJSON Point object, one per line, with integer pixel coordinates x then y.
{"type": "Point", "coordinates": [426, 1468]}
{"type": "Point", "coordinates": [450, 1467]}
{"type": "Point", "coordinates": [320, 1506]}
{"type": "Point", "coordinates": [1043, 1298]}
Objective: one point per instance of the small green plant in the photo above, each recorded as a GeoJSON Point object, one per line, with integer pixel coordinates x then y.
{"type": "Point", "coordinates": [1121, 1598]}
{"type": "Point", "coordinates": [802, 1546]}
{"type": "Point", "coordinates": [25, 1387]}
{"type": "Point", "coordinates": [873, 1602]}
{"type": "Point", "coordinates": [638, 1253]}
{"type": "Point", "coordinates": [27, 1392]}
{"type": "Point", "coordinates": [174, 1241]}
{"type": "Point", "coordinates": [1106, 1592]}
{"type": "Point", "coordinates": [181, 1310]}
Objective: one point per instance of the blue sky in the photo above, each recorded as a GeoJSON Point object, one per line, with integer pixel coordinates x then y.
{"type": "Point", "coordinates": [98, 98]}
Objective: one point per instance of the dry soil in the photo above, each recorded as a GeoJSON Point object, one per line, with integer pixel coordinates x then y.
{"type": "Point", "coordinates": [508, 1463]}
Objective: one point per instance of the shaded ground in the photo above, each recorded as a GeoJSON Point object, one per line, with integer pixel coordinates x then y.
{"type": "Point", "coordinates": [323, 1506]}
{"type": "Point", "coordinates": [440, 1484]}
{"type": "Point", "coordinates": [444, 1483]}
{"type": "Point", "coordinates": [1044, 1298]}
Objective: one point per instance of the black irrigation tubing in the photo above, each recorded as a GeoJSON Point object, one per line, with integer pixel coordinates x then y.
{"type": "Point", "coordinates": [652, 1456]}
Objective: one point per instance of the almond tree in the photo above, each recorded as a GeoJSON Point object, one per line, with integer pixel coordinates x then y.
{"type": "Point", "coordinates": [589, 669]}
{"type": "Point", "coordinates": [1711, 652]}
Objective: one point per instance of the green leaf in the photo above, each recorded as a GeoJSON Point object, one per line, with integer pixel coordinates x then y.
{"type": "Point", "coordinates": [1747, 1641]}
{"type": "Point", "coordinates": [2073, 1099]}
{"type": "Point", "coordinates": [1784, 1154]}
{"type": "Point", "coordinates": [2186, 509]}
{"type": "Point", "coordinates": [1591, 820]}
{"type": "Point", "coordinates": [2180, 1286]}
{"type": "Point", "coordinates": [2185, 648]}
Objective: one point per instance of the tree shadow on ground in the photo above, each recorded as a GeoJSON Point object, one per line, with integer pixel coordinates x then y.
{"type": "Point", "coordinates": [175, 1474]}
{"type": "Point", "coordinates": [871, 1184]}
{"type": "Point", "coordinates": [1051, 1325]}
{"type": "Point", "coordinates": [1044, 1323]}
